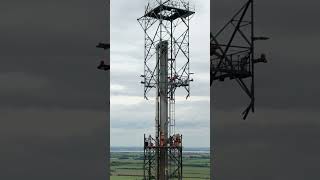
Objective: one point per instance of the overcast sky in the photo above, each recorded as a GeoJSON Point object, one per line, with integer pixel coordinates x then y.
{"type": "Point", "coordinates": [280, 141]}
{"type": "Point", "coordinates": [132, 115]}
{"type": "Point", "coordinates": [53, 99]}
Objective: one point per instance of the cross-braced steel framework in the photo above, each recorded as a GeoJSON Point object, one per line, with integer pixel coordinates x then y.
{"type": "Point", "coordinates": [232, 52]}
{"type": "Point", "coordinates": [167, 21]}
{"type": "Point", "coordinates": [166, 26]}
{"type": "Point", "coordinates": [152, 153]}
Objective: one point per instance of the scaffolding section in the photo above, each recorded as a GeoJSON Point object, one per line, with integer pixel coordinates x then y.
{"type": "Point", "coordinates": [152, 155]}
{"type": "Point", "coordinates": [232, 52]}
{"type": "Point", "coordinates": [166, 68]}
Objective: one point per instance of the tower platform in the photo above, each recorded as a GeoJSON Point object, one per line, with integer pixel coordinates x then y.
{"type": "Point", "coordinates": [168, 12]}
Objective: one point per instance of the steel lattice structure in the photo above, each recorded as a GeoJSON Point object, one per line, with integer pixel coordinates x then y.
{"type": "Point", "coordinates": [232, 52]}
{"type": "Point", "coordinates": [152, 153]}
{"type": "Point", "coordinates": [166, 68]}
{"type": "Point", "coordinates": [167, 21]}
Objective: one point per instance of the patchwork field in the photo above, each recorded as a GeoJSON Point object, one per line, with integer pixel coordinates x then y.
{"type": "Point", "coordinates": [128, 166]}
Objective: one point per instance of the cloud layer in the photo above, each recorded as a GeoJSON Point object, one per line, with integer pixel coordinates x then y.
{"type": "Point", "coordinates": [131, 115]}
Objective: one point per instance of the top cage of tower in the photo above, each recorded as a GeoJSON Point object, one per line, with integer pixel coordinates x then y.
{"type": "Point", "coordinates": [169, 9]}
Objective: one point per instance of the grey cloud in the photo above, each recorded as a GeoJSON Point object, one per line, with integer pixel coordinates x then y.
{"type": "Point", "coordinates": [127, 56]}
{"type": "Point", "coordinates": [49, 81]}
{"type": "Point", "coordinates": [36, 157]}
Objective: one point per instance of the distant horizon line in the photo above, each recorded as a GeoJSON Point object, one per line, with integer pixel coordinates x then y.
{"type": "Point", "coordinates": [142, 147]}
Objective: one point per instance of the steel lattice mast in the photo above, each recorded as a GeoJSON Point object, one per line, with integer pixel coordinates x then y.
{"type": "Point", "coordinates": [232, 52]}
{"type": "Point", "coordinates": [166, 68]}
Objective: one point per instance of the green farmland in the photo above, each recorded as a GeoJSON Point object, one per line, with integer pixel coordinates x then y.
{"type": "Point", "coordinates": [128, 166]}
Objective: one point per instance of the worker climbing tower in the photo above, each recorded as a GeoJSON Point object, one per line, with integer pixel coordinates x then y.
{"type": "Point", "coordinates": [166, 68]}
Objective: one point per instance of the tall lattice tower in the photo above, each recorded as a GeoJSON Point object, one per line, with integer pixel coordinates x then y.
{"type": "Point", "coordinates": [166, 68]}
